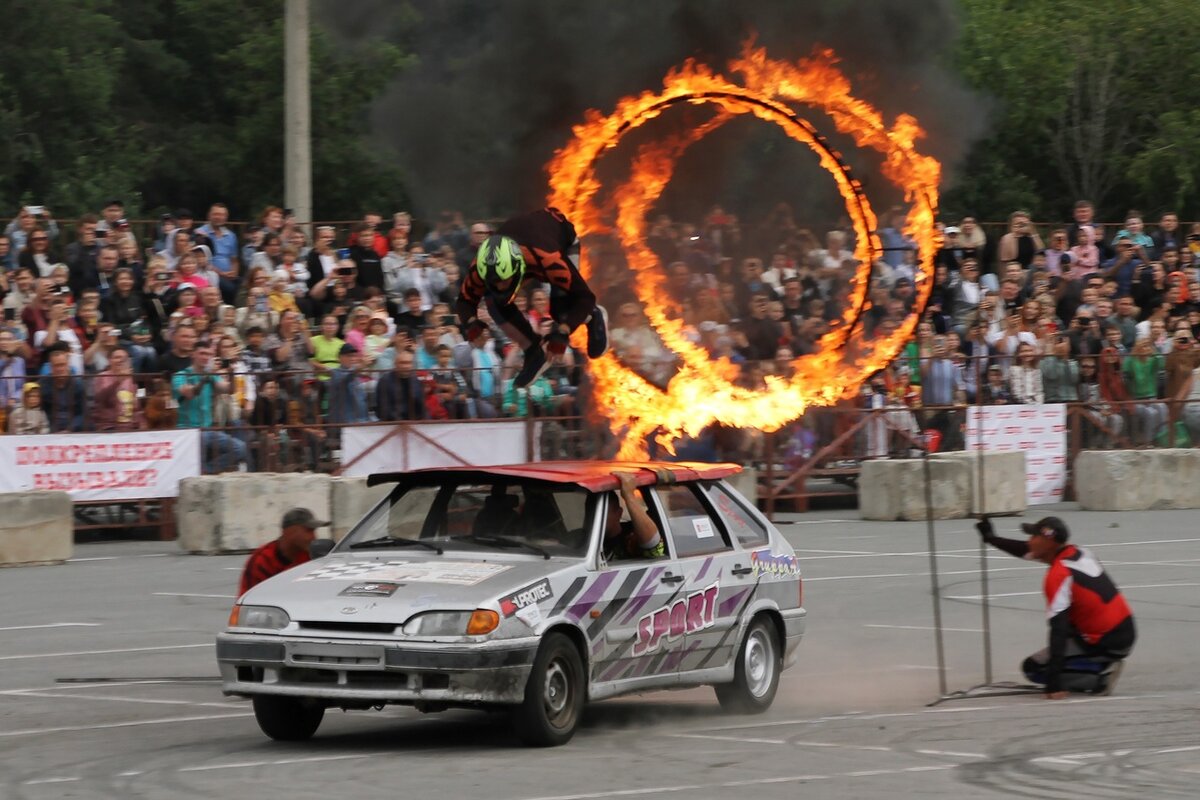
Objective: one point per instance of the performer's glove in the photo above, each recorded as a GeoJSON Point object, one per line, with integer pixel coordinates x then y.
{"type": "Point", "coordinates": [475, 329]}
{"type": "Point", "coordinates": [556, 342]}
{"type": "Point", "coordinates": [984, 526]}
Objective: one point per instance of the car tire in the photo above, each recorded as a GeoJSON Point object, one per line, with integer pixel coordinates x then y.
{"type": "Point", "coordinates": [755, 673]}
{"type": "Point", "coordinates": [554, 695]}
{"type": "Point", "coordinates": [287, 719]}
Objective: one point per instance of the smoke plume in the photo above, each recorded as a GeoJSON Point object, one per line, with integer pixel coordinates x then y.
{"type": "Point", "coordinates": [497, 85]}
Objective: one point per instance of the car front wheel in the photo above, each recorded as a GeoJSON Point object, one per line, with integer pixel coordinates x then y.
{"type": "Point", "coordinates": [554, 695]}
{"type": "Point", "coordinates": [287, 719]}
{"type": "Point", "coordinates": [756, 672]}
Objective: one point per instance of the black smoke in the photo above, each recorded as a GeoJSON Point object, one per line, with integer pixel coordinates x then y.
{"type": "Point", "coordinates": [496, 86]}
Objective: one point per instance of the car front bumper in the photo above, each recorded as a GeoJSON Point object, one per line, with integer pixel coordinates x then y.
{"type": "Point", "coordinates": [356, 671]}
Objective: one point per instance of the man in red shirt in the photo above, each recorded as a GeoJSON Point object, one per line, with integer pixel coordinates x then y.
{"type": "Point", "coordinates": [291, 548]}
{"type": "Point", "coordinates": [1091, 626]}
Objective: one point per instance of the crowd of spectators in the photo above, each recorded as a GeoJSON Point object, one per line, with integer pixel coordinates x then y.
{"type": "Point", "coordinates": [264, 341]}
{"type": "Point", "coordinates": [259, 335]}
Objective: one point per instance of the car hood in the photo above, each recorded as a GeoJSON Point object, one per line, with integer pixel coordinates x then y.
{"type": "Point", "coordinates": [391, 588]}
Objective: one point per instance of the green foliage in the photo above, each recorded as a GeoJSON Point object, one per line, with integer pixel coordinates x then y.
{"type": "Point", "coordinates": [1088, 103]}
{"type": "Point", "coordinates": [1171, 160]}
{"type": "Point", "coordinates": [180, 103]}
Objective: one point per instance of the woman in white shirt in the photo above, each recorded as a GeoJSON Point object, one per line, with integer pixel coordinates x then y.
{"type": "Point", "coordinates": [1024, 376]}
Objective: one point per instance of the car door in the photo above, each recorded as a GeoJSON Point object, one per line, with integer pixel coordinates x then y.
{"type": "Point", "coordinates": [621, 628]}
{"type": "Point", "coordinates": [718, 579]}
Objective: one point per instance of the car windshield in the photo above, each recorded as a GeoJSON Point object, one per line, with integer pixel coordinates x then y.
{"type": "Point", "coordinates": [538, 518]}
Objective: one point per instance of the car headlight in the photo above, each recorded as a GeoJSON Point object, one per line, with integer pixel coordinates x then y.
{"type": "Point", "coordinates": [453, 623]}
{"type": "Point", "coordinates": [259, 617]}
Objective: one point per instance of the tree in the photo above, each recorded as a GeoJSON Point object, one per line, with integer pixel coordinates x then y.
{"type": "Point", "coordinates": [180, 103]}
{"type": "Point", "coordinates": [1083, 91]}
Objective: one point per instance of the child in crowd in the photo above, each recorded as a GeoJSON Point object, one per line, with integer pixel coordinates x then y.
{"type": "Point", "coordinates": [29, 417]}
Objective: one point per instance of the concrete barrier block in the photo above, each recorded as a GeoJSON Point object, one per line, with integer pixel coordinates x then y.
{"type": "Point", "coordinates": [242, 510]}
{"type": "Point", "coordinates": [1000, 477]}
{"type": "Point", "coordinates": [1137, 480]}
{"type": "Point", "coordinates": [36, 527]}
{"type": "Point", "coordinates": [895, 489]}
{"type": "Point", "coordinates": [350, 499]}
{"type": "Point", "coordinates": [746, 482]}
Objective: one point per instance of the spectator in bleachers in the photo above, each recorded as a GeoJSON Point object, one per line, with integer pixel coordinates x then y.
{"type": "Point", "coordinates": [196, 389]}
{"type": "Point", "coordinates": [36, 256]}
{"type": "Point", "coordinates": [942, 385]}
{"type": "Point", "coordinates": [326, 347]}
{"type": "Point", "coordinates": [995, 391]}
{"type": "Point", "coordinates": [29, 417]}
{"type": "Point", "coordinates": [114, 396]}
{"type": "Point", "coordinates": [1021, 242]}
{"type": "Point", "coordinates": [23, 228]}
{"type": "Point", "coordinates": [1141, 370]}
{"type": "Point", "coordinates": [12, 372]}
{"type": "Point", "coordinates": [399, 394]}
{"type": "Point", "coordinates": [347, 390]}
{"type": "Point", "coordinates": [1060, 372]}
{"type": "Point", "coordinates": [1024, 376]}
{"type": "Point", "coordinates": [64, 396]}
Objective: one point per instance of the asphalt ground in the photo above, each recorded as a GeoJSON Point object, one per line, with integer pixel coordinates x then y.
{"type": "Point", "coordinates": [106, 690]}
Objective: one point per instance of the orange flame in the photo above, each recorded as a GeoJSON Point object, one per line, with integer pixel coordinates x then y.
{"type": "Point", "coordinates": [702, 391]}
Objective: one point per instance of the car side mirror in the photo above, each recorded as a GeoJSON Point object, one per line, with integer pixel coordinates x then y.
{"type": "Point", "coordinates": [319, 548]}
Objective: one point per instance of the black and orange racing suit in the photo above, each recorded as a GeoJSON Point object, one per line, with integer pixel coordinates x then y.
{"type": "Point", "coordinates": [545, 236]}
{"type": "Point", "coordinates": [1091, 625]}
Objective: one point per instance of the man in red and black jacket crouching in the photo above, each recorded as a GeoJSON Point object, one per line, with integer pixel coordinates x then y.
{"type": "Point", "coordinates": [1091, 626]}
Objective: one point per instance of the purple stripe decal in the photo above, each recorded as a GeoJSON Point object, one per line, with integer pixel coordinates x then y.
{"type": "Point", "coordinates": [592, 595]}
{"type": "Point", "coordinates": [612, 670]}
{"type": "Point", "coordinates": [674, 660]}
{"type": "Point", "coordinates": [704, 569]}
{"type": "Point", "coordinates": [731, 603]}
{"type": "Point", "coordinates": [643, 594]}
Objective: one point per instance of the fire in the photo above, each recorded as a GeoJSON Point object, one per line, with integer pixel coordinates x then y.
{"type": "Point", "coordinates": [703, 391]}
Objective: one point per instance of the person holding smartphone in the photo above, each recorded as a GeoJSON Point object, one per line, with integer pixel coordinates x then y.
{"type": "Point", "coordinates": [196, 389]}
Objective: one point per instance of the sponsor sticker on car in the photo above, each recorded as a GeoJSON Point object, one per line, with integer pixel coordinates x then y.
{"type": "Point", "coordinates": [529, 596]}
{"type": "Point", "coordinates": [371, 589]}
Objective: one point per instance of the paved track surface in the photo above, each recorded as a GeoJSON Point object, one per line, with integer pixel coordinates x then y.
{"type": "Point", "coordinates": [106, 690]}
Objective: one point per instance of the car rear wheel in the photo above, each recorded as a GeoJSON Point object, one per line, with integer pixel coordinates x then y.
{"type": "Point", "coordinates": [756, 672]}
{"type": "Point", "coordinates": [554, 695]}
{"type": "Point", "coordinates": [287, 719]}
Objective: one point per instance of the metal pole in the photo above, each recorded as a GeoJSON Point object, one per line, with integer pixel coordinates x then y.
{"type": "Point", "coordinates": [933, 576]}
{"type": "Point", "coordinates": [297, 136]}
{"type": "Point", "coordinates": [983, 555]}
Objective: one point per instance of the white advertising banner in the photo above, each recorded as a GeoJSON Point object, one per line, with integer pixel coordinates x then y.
{"type": "Point", "coordinates": [450, 444]}
{"type": "Point", "coordinates": [101, 466]}
{"type": "Point", "coordinates": [1039, 431]}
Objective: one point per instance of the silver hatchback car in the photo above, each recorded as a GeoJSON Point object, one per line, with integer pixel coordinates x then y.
{"type": "Point", "coordinates": [489, 587]}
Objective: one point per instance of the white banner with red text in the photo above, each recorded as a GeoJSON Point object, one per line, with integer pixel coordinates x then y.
{"type": "Point", "coordinates": [1038, 431]}
{"type": "Point", "coordinates": [400, 448]}
{"type": "Point", "coordinates": [101, 466]}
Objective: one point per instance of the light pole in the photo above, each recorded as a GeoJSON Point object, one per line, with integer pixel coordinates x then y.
{"type": "Point", "coordinates": [297, 134]}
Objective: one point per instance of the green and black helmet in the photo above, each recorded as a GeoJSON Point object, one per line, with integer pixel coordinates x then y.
{"type": "Point", "coordinates": [500, 263]}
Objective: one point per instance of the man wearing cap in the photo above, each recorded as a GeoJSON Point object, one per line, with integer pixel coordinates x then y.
{"type": "Point", "coordinates": [347, 392]}
{"type": "Point", "coordinates": [1091, 626]}
{"type": "Point", "coordinates": [299, 528]}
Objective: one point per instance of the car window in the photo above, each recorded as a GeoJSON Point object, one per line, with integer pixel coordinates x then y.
{"type": "Point", "coordinates": [692, 528]}
{"type": "Point", "coordinates": [742, 524]}
{"type": "Point", "coordinates": [555, 517]}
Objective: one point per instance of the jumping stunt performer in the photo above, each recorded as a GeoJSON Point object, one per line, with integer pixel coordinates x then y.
{"type": "Point", "coordinates": [533, 245]}
{"type": "Point", "coordinates": [1091, 626]}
